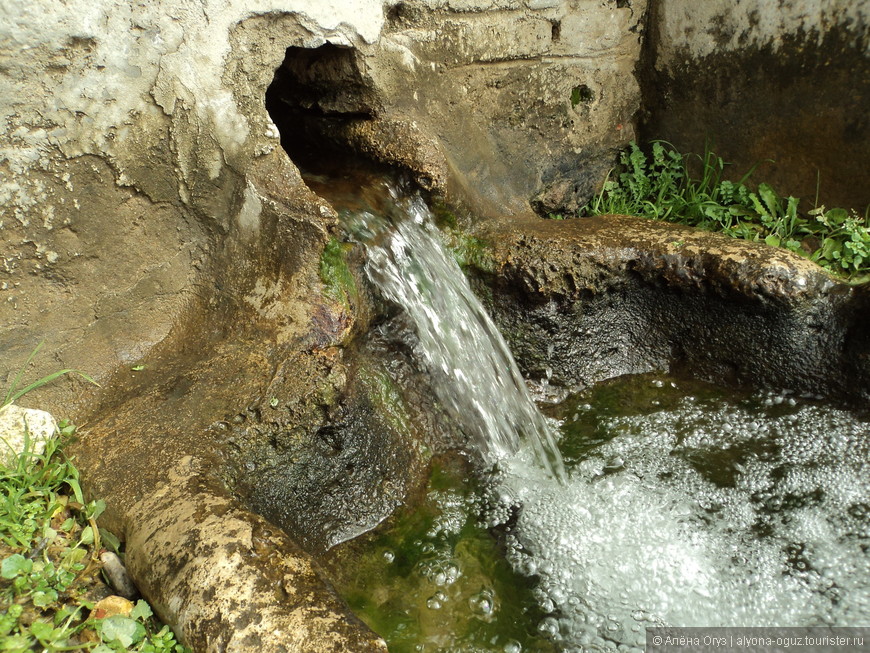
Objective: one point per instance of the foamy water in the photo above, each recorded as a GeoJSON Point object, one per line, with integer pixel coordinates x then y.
{"type": "Point", "coordinates": [705, 515]}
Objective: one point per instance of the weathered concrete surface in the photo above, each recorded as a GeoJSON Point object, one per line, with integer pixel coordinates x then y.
{"type": "Point", "coordinates": [230, 580]}
{"type": "Point", "coordinates": [126, 137]}
{"type": "Point", "coordinates": [128, 134]}
{"type": "Point", "coordinates": [158, 449]}
{"type": "Point", "coordinates": [523, 100]}
{"type": "Point", "coordinates": [784, 84]}
{"type": "Point", "coordinates": [149, 216]}
{"type": "Point", "coordinates": [595, 298]}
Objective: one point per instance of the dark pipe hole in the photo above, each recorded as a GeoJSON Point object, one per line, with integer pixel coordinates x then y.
{"type": "Point", "coordinates": [316, 92]}
{"type": "Point", "coordinates": [317, 100]}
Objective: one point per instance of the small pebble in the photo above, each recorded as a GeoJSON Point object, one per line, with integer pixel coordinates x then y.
{"type": "Point", "coordinates": [112, 606]}
{"type": "Point", "coordinates": [117, 575]}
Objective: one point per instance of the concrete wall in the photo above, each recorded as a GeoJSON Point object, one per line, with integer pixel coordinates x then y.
{"type": "Point", "coordinates": [529, 99]}
{"type": "Point", "coordinates": [786, 81]}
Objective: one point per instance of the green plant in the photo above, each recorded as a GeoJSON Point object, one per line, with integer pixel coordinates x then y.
{"type": "Point", "coordinates": [468, 251]}
{"type": "Point", "coordinates": [49, 566]}
{"type": "Point", "coordinates": [335, 273]}
{"type": "Point", "coordinates": [659, 185]}
{"type": "Point", "coordinates": [845, 240]}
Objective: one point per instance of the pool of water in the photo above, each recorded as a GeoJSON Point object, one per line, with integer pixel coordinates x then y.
{"type": "Point", "coordinates": [686, 505]}
{"type": "Point", "coordinates": [435, 578]}
{"type": "Point", "coordinates": [692, 506]}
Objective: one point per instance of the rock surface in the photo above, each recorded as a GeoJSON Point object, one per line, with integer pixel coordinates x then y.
{"type": "Point", "coordinates": [584, 300]}
{"type": "Point", "coordinates": [128, 136]}
{"type": "Point", "coordinates": [158, 449]}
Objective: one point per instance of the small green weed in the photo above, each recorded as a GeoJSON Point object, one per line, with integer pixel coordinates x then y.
{"type": "Point", "coordinates": [467, 250]}
{"type": "Point", "coordinates": [660, 186]}
{"type": "Point", "coordinates": [49, 566]}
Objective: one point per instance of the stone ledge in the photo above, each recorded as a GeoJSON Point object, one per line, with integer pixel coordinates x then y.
{"type": "Point", "coordinates": [593, 298]}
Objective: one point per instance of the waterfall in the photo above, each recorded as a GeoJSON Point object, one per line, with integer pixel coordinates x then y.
{"type": "Point", "coordinates": [472, 371]}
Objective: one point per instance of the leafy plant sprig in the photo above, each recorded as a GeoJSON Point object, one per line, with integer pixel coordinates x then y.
{"type": "Point", "coordinates": [660, 186]}
{"type": "Point", "coordinates": [49, 553]}
{"type": "Point", "coordinates": [49, 547]}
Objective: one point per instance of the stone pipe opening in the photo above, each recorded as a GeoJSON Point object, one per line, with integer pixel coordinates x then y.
{"type": "Point", "coordinates": [316, 92]}
{"type": "Point", "coordinates": [332, 119]}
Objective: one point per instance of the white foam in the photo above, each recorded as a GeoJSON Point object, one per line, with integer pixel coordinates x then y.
{"type": "Point", "coordinates": [642, 535]}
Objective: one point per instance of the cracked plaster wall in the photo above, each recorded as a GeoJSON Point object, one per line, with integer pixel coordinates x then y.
{"type": "Point", "coordinates": [129, 131]}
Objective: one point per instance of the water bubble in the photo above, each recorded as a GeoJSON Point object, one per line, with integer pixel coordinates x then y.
{"type": "Point", "coordinates": [687, 524]}
{"type": "Point", "coordinates": [436, 601]}
{"type": "Point", "coordinates": [482, 604]}
{"type": "Point", "coordinates": [549, 627]}
{"type": "Point", "coordinates": [513, 646]}
{"type": "Point", "coordinates": [389, 556]}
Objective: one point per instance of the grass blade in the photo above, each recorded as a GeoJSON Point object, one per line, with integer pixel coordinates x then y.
{"type": "Point", "coordinates": [46, 379]}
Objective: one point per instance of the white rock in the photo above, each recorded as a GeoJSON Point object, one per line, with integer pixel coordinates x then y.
{"type": "Point", "coordinates": [16, 422]}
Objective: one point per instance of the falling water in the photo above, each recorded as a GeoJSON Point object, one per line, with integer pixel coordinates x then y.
{"type": "Point", "coordinates": [471, 369]}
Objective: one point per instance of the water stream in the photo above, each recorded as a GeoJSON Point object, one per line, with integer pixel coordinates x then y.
{"type": "Point", "coordinates": [471, 370]}
{"type": "Point", "coordinates": [666, 501]}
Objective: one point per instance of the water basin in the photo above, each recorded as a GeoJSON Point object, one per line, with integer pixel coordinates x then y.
{"type": "Point", "coordinates": [687, 504]}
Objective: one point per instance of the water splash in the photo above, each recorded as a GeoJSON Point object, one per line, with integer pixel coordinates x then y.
{"type": "Point", "coordinates": [698, 515]}
{"type": "Point", "coordinates": [473, 374]}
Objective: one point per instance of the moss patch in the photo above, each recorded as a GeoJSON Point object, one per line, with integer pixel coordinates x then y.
{"type": "Point", "coordinates": [338, 280]}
